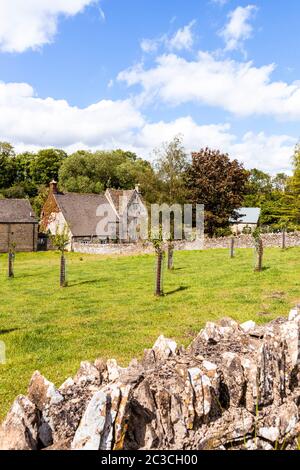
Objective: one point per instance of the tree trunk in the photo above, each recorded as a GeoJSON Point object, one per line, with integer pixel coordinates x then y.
{"type": "Point", "coordinates": [232, 248]}
{"type": "Point", "coordinates": [259, 251]}
{"type": "Point", "coordinates": [159, 273]}
{"type": "Point", "coordinates": [10, 265]}
{"type": "Point", "coordinates": [63, 271]}
{"type": "Point", "coordinates": [170, 256]}
{"type": "Point", "coordinates": [283, 239]}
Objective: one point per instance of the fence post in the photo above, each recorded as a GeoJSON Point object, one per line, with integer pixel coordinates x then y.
{"type": "Point", "coordinates": [63, 282]}
{"type": "Point", "coordinates": [232, 247]}
{"type": "Point", "coordinates": [159, 273]}
{"type": "Point", "coordinates": [259, 251]}
{"type": "Point", "coordinates": [170, 256]}
{"type": "Point", "coordinates": [283, 245]}
{"type": "Point", "coordinates": [10, 264]}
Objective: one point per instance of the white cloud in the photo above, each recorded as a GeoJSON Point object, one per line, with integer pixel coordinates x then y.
{"type": "Point", "coordinates": [238, 28]}
{"type": "Point", "coordinates": [30, 122]}
{"type": "Point", "coordinates": [266, 152]}
{"type": "Point", "coordinates": [181, 40]}
{"type": "Point", "coordinates": [27, 119]}
{"type": "Point", "coordinates": [29, 24]}
{"type": "Point", "coordinates": [150, 45]}
{"type": "Point", "coordinates": [220, 2]}
{"type": "Point", "coordinates": [237, 87]}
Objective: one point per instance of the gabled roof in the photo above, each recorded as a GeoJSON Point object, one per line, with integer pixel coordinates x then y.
{"type": "Point", "coordinates": [247, 215]}
{"type": "Point", "coordinates": [119, 198]}
{"type": "Point", "coordinates": [80, 211]}
{"type": "Point", "coordinates": [16, 211]}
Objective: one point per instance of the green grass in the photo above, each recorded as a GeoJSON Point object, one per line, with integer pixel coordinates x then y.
{"type": "Point", "coordinates": [109, 309]}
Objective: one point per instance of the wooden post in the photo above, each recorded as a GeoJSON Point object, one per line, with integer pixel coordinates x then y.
{"type": "Point", "coordinates": [10, 264]}
{"type": "Point", "coordinates": [159, 273]}
{"type": "Point", "coordinates": [232, 247]}
{"type": "Point", "coordinates": [259, 251]}
{"type": "Point", "coordinates": [63, 271]}
{"type": "Point", "coordinates": [170, 256]}
{"type": "Point", "coordinates": [283, 246]}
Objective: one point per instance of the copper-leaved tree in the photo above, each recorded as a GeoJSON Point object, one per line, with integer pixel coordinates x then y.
{"type": "Point", "coordinates": [60, 241]}
{"type": "Point", "coordinates": [218, 182]}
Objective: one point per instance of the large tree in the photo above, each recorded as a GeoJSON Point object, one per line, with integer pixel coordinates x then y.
{"type": "Point", "coordinates": [46, 164]}
{"type": "Point", "coordinates": [217, 182]}
{"type": "Point", "coordinates": [94, 172]}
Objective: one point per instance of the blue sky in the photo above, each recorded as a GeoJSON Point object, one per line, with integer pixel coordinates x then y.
{"type": "Point", "coordinates": [131, 74]}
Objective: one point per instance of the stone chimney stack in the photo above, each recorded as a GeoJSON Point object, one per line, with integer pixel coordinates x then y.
{"type": "Point", "coordinates": [53, 187]}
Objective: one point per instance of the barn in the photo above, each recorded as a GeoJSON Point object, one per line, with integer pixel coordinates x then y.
{"type": "Point", "coordinates": [18, 225]}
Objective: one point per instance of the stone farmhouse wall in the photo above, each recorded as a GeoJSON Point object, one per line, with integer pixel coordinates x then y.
{"type": "Point", "coordinates": [23, 235]}
{"type": "Point", "coordinates": [270, 240]}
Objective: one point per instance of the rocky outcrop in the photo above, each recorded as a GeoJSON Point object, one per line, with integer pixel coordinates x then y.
{"type": "Point", "coordinates": [235, 387]}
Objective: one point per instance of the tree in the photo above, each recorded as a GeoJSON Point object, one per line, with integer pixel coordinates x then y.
{"type": "Point", "coordinates": [170, 254]}
{"type": "Point", "coordinates": [266, 192]}
{"type": "Point", "coordinates": [60, 241]}
{"type": "Point", "coordinates": [158, 243]}
{"type": "Point", "coordinates": [259, 248]}
{"type": "Point", "coordinates": [217, 182]}
{"type": "Point", "coordinates": [46, 164]}
{"type": "Point", "coordinates": [7, 155]}
{"type": "Point", "coordinates": [280, 182]}
{"type": "Point", "coordinates": [11, 259]}
{"type": "Point", "coordinates": [288, 210]}
{"type": "Point", "coordinates": [89, 172]}
{"type": "Point", "coordinates": [171, 165]}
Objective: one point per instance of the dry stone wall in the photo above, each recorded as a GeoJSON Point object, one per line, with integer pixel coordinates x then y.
{"type": "Point", "coordinates": [235, 387]}
{"type": "Point", "coordinates": [270, 240]}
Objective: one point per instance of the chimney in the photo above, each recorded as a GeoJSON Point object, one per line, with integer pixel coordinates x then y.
{"type": "Point", "coordinates": [53, 187]}
{"type": "Point", "coordinates": [137, 188]}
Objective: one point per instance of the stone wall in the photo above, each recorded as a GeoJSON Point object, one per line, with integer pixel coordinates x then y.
{"type": "Point", "coordinates": [23, 235]}
{"type": "Point", "coordinates": [235, 387]}
{"type": "Point", "coordinates": [112, 249]}
{"type": "Point", "coordinates": [270, 240]}
{"type": "Point", "coordinates": [242, 241]}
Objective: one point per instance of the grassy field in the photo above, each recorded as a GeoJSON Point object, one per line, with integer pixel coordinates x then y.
{"type": "Point", "coordinates": [109, 309]}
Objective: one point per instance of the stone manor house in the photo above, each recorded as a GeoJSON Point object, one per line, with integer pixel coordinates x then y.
{"type": "Point", "coordinates": [115, 215]}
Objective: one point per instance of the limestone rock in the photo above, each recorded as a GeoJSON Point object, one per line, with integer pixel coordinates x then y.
{"type": "Point", "coordinates": [88, 434]}
{"type": "Point", "coordinates": [19, 431]}
{"type": "Point", "coordinates": [248, 326]}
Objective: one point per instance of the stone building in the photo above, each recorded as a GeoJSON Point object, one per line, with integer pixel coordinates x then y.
{"type": "Point", "coordinates": [18, 225]}
{"type": "Point", "coordinates": [114, 215]}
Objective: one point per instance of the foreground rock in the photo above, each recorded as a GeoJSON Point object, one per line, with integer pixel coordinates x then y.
{"type": "Point", "coordinates": [235, 387]}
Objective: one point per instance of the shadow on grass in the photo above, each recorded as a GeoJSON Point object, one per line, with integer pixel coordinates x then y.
{"type": "Point", "coordinates": [81, 283]}
{"type": "Point", "coordinates": [265, 268]}
{"type": "Point", "coordinates": [179, 289]}
{"type": "Point", "coordinates": [9, 330]}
